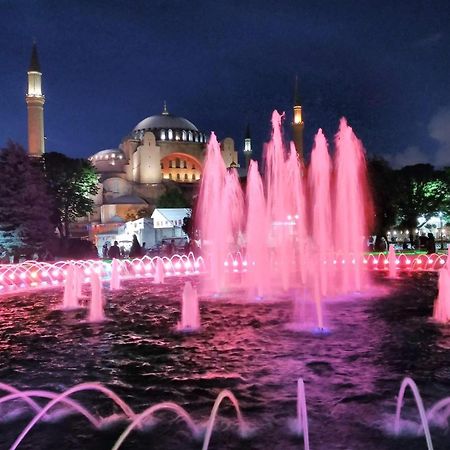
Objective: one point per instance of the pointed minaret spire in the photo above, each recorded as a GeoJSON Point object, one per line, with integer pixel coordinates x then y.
{"type": "Point", "coordinates": [297, 123]}
{"type": "Point", "coordinates": [35, 105]}
{"type": "Point", "coordinates": [165, 112]}
{"type": "Point", "coordinates": [34, 61]}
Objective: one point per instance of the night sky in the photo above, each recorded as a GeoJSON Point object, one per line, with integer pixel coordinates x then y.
{"type": "Point", "coordinates": [106, 65]}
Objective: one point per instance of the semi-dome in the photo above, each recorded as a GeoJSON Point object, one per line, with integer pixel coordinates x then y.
{"type": "Point", "coordinates": [168, 127]}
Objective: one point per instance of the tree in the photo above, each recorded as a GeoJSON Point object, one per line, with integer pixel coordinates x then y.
{"type": "Point", "coordinates": [385, 194]}
{"type": "Point", "coordinates": [72, 183]}
{"type": "Point", "coordinates": [423, 192]}
{"type": "Point", "coordinates": [172, 198]}
{"type": "Point", "coordinates": [25, 205]}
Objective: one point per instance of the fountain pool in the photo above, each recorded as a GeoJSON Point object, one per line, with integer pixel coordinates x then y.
{"type": "Point", "coordinates": [351, 376]}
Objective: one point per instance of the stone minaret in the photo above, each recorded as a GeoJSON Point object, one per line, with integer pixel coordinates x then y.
{"type": "Point", "coordinates": [247, 147]}
{"type": "Point", "coordinates": [297, 123]}
{"type": "Point", "coordinates": [35, 105]}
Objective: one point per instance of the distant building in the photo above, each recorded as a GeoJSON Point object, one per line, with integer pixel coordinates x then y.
{"type": "Point", "coordinates": [164, 225]}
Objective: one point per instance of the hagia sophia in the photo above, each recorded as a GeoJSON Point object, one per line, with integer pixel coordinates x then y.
{"type": "Point", "coordinates": [161, 150]}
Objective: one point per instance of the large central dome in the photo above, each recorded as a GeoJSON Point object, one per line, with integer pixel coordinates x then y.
{"type": "Point", "coordinates": [168, 127]}
{"type": "Point", "coordinates": [165, 121]}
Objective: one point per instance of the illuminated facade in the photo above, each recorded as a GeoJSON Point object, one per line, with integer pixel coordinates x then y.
{"type": "Point", "coordinates": [161, 149]}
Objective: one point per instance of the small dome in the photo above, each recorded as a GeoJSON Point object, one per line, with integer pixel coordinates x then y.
{"type": "Point", "coordinates": [109, 154]}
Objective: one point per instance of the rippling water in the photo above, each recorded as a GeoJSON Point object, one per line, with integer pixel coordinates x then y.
{"type": "Point", "coordinates": [352, 375]}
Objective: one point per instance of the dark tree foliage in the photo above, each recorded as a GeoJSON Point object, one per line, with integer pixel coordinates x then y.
{"type": "Point", "coordinates": [383, 185]}
{"type": "Point", "coordinates": [72, 183]}
{"type": "Point", "coordinates": [172, 198]}
{"type": "Point", "coordinates": [25, 205]}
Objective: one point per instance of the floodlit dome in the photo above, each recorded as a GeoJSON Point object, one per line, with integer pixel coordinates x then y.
{"type": "Point", "coordinates": [111, 160]}
{"type": "Point", "coordinates": [168, 127]}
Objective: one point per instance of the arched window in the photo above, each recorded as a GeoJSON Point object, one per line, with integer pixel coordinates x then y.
{"type": "Point", "coordinates": [178, 177]}
{"type": "Point", "coordinates": [172, 164]}
{"type": "Point", "coordinates": [185, 177]}
{"type": "Point", "coordinates": [190, 136]}
{"type": "Point", "coordinates": [177, 135]}
{"type": "Point", "coordinates": [184, 164]}
{"type": "Point", "coordinates": [196, 137]}
{"type": "Point", "coordinates": [163, 135]}
{"type": "Point", "coordinates": [183, 135]}
{"type": "Point", "coordinates": [170, 175]}
{"type": "Point", "coordinates": [193, 177]}
{"type": "Point", "coordinates": [170, 134]}
{"type": "Point", "coordinates": [177, 163]}
{"type": "Point", "coordinates": [162, 165]}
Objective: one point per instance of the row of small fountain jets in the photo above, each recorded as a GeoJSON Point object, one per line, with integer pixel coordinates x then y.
{"type": "Point", "coordinates": [73, 295]}
{"type": "Point", "coordinates": [437, 415]}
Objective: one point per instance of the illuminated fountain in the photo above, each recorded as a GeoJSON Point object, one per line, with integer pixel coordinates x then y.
{"type": "Point", "coordinates": [294, 236]}
{"type": "Point", "coordinates": [159, 272]}
{"type": "Point", "coordinates": [441, 310]}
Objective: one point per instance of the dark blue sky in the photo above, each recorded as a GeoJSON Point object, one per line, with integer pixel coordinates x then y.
{"type": "Point", "coordinates": [108, 64]}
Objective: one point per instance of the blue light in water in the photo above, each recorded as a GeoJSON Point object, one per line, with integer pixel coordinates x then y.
{"type": "Point", "coordinates": [318, 331]}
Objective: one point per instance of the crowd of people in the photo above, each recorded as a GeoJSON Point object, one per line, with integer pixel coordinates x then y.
{"type": "Point", "coordinates": [137, 250]}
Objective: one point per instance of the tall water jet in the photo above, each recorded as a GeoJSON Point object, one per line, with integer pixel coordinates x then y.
{"type": "Point", "coordinates": [70, 299]}
{"type": "Point", "coordinates": [159, 272]}
{"type": "Point", "coordinates": [190, 310]}
{"type": "Point", "coordinates": [114, 283]}
{"type": "Point", "coordinates": [96, 313]}
{"type": "Point", "coordinates": [392, 262]}
{"type": "Point", "coordinates": [441, 310]}
{"type": "Point", "coordinates": [257, 257]}
{"type": "Point", "coordinates": [219, 213]}
{"type": "Point", "coordinates": [280, 213]}
{"type": "Point", "coordinates": [352, 202]}
{"type": "Point", "coordinates": [319, 180]}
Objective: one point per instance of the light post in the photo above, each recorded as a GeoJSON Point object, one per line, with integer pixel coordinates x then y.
{"type": "Point", "coordinates": [442, 241]}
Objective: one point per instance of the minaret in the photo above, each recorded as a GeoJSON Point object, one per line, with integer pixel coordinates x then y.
{"type": "Point", "coordinates": [297, 123]}
{"type": "Point", "coordinates": [247, 147]}
{"type": "Point", "coordinates": [35, 105]}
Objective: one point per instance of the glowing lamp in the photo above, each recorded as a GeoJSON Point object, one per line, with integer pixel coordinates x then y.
{"type": "Point", "coordinates": [33, 274]}
{"type": "Point", "coordinates": [225, 263]}
{"type": "Point", "coordinates": [235, 263]}
{"type": "Point", "coordinates": [375, 261]}
{"type": "Point", "coordinates": [353, 261]}
{"type": "Point", "coordinates": [397, 261]}
{"type": "Point", "coordinates": [87, 271]}
{"type": "Point", "coordinates": [45, 273]}
{"type": "Point", "coordinates": [386, 261]}
{"type": "Point", "coordinates": [177, 265]}
{"type": "Point", "coordinates": [442, 261]}
{"type": "Point", "coordinates": [408, 261]}
{"type": "Point", "coordinates": [11, 276]}
{"type": "Point", "coordinates": [419, 261]}
{"type": "Point", "coordinates": [148, 267]}
{"type": "Point", "coordinates": [334, 261]}
{"type": "Point", "coordinates": [137, 268]}
{"type": "Point", "coordinates": [187, 264]}
{"type": "Point", "coordinates": [343, 261]}
{"type": "Point", "coordinates": [364, 261]}
{"type": "Point", "coordinates": [22, 276]}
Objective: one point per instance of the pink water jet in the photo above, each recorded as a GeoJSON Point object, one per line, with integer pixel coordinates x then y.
{"type": "Point", "coordinates": [96, 312]}
{"type": "Point", "coordinates": [190, 311]}
{"type": "Point", "coordinates": [70, 299]}
{"type": "Point", "coordinates": [159, 271]}
{"type": "Point", "coordinates": [114, 283]}
{"type": "Point", "coordinates": [392, 262]}
{"type": "Point", "coordinates": [441, 310]}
